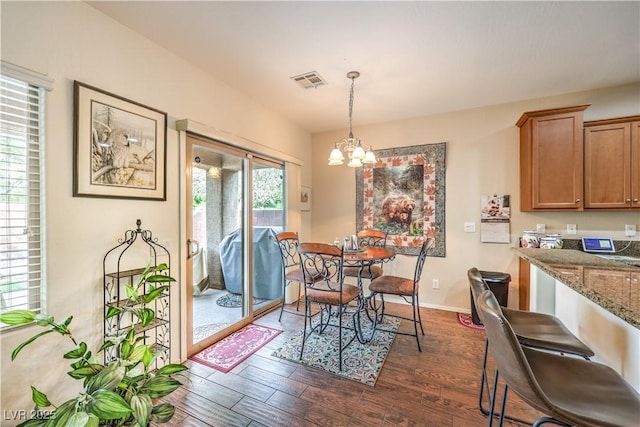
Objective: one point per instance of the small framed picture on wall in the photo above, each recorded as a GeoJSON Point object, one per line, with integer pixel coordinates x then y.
{"type": "Point", "coordinates": [305, 198]}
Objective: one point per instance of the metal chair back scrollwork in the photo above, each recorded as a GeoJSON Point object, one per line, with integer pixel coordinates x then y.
{"type": "Point", "coordinates": [322, 266]}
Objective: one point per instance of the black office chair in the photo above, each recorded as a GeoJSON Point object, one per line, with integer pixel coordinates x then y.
{"type": "Point", "coordinates": [571, 391]}
{"type": "Point", "coordinates": [535, 330]}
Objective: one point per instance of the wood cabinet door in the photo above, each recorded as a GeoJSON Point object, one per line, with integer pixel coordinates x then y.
{"type": "Point", "coordinates": [635, 165]}
{"type": "Point", "coordinates": [557, 161]}
{"type": "Point", "coordinates": [607, 166]}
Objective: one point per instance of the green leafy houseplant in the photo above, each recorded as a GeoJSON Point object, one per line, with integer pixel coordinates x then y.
{"type": "Point", "coordinates": [118, 393]}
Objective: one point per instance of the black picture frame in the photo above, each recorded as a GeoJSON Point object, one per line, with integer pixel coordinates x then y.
{"type": "Point", "coordinates": [119, 147]}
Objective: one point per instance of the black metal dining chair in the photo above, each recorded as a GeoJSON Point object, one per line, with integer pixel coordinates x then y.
{"type": "Point", "coordinates": [407, 288]}
{"type": "Point", "coordinates": [370, 238]}
{"type": "Point", "coordinates": [324, 285]}
{"type": "Point", "coordinates": [291, 273]}
{"type": "Point", "coordinates": [569, 390]}
{"type": "Point", "coordinates": [535, 330]}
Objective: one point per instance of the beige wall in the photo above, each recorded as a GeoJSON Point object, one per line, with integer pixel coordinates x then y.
{"type": "Point", "coordinates": [72, 41]}
{"type": "Point", "coordinates": [482, 158]}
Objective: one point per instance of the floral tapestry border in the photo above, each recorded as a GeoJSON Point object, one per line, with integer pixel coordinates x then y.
{"type": "Point", "coordinates": [407, 209]}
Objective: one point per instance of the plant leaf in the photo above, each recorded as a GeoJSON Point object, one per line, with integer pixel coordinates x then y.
{"type": "Point", "coordinates": [39, 398]}
{"type": "Point", "coordinates": [141, 405]}
{"type": "Point", "coordinates": [132, 293]}
{"type": "Point", "coordinates": [107, 405]}
{"type": "Point", "coordinates": [17, 317]}
{"type": "Point", "coordinates": [44, 319]}
{"type": "Point", "coordinates": [19, 348]}
{"type": "Point", "coordinates": [147, 316]}
{"type": "Point", "coordinates": [77, 353]}
{"type": "Point", "coordinates": [79, 419]}
{"type": "Point", "coordinates": [153, 294]}
{"type": "Point", "coordinates": [172, 368]}
{"type": "Point", "coordinates": [34, 422]}
{"type": "Point", "coordinates": [148, 358]}
{"type": "Point", "coordinates": [106, 379]}
{"type": "Point", "coordinates": [138, 352]}
{"type": "Point", "coordinates": [112, 311]}
{"type": "Point", "coordinates": [85, 371]}
{"type": "Point", "coordinates": [125, 350]}
{"type": "Point", "coordinates": [105, 345]}
{"type": "Point", "coordinates": [61, 328]}
{"type": "Point", "coordinates": [93, 421]}
{"type": "Point", "coordinates": [160, 278]}
{"type": "Point", "coordinates": [62, 414]}
{"type": "Point", "coordinates": [162, 413]}
{"type": "Point", "coordinates": [160, 386]}
{"type": "Point", "coordinates": [161, 267]}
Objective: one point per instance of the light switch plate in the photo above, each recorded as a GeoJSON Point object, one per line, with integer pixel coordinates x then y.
{"type": "Point", "coordinates": [572, 229]}
{"type": "Point", "coordinates": [469, 227]}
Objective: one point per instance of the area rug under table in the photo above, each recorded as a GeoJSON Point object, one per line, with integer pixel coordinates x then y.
{"type": "Point", "coordinates": [361, 362]}
{"type": "Point", "coordinates": [229, 352]}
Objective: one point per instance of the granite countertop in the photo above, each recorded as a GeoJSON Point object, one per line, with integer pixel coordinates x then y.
{"type": "Point", "coordinates": [613, 285]}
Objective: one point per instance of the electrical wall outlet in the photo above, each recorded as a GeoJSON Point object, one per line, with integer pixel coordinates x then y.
{"type": "Point", "coordinates": [572, 229]}
{"type": "Point", "coordinates": [630, 230]}
{"type": "Point", "coordinates": [436, 284]}
{"type": "Point", "coordinates": [469, 227]}
{"type": "Point", "coordinates": [541, 228]}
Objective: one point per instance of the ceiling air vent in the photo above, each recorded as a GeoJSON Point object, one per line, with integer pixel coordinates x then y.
{"type": "Point", "coordinates": [309, 80]}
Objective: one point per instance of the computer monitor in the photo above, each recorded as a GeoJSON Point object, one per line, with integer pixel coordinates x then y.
{"type": "Point", "coordinates": [598, 245]}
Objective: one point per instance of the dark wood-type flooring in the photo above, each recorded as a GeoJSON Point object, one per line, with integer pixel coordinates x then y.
{"type": "Point", "coordinates": [438, 387]}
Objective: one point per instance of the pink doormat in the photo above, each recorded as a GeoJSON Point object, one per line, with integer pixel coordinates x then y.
{"type": "Point", "coordinates": [467, 320]}
{"type": "Point", "coordinates": [230, 351]}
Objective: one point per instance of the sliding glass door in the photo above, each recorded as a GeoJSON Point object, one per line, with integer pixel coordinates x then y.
{"type": "Point", "coordinates": [234, 198]}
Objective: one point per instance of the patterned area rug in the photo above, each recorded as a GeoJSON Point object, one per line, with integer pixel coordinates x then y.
{"type": "Point", "coordinates": [361, 362]}
{"type": "Point", "coordinates": [235, 300]}
{"type": "Point", "coordinates": [229, 352]}
{"type": "Point", "coordinates": [467, 320]}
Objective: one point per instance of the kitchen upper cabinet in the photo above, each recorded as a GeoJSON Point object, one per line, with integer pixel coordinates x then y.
{"type": "Point", "coordinates": [551, 159]}
{"type": "Point", "coordinates": [612, 163]}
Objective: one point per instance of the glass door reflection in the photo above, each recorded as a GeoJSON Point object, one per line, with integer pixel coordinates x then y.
{"type": "Point", "coordinates": [233, 197]}
{"type": "Point", "coordinates": [218, 221]}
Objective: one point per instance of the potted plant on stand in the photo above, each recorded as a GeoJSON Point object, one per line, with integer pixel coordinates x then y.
{"type": "Point", "coordinates": [122, 392]}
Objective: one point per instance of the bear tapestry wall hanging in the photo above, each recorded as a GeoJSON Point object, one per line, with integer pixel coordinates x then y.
{"type": "Point", "coordinates": [403, 194]}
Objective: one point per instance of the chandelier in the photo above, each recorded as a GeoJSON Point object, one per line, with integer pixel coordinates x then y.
{"type": "Point", "coordinates": [357, 152]}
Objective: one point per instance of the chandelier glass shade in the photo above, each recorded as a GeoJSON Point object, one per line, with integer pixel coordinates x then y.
{"type": "Point", "coordinates": [357, 152]}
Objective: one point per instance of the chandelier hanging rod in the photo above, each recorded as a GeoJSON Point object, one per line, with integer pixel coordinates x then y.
{"type": "Point", "coordinates": [354, 147]}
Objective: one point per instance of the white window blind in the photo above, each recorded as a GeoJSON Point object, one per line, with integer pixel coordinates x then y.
{"type": "Point", "coordinates": [21, 195]}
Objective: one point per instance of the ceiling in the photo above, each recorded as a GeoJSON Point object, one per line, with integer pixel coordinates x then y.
{"type": "Point", "coordinates": [415, 58]}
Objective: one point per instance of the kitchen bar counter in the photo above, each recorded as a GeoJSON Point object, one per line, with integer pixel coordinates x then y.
{"type": "Point", "coordinates": [597, 299]}
{"type": "Point", "coordinates": [612, 285]}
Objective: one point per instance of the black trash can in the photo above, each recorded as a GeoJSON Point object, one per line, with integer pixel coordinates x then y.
{"type": "Point", "coordinates": [499, 284]}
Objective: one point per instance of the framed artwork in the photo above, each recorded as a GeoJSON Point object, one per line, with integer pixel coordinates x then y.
{"type": "Point", "coordinates": [119, 147]}
{"type": "Point", "coordinates": [305, 198]}
{"type": "Point", "coordinates": [404, 195]}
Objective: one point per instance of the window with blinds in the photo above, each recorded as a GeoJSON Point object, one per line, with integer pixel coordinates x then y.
{"type": "Point", "coordinates": [21, 195]}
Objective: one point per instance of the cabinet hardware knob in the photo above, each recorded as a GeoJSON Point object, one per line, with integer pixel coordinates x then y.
{"type": "Point", "coordinates": [577, 200]}
{"type": "Point", "coordinates": [628, 200]}
{"type": "Point", "coordinates": [635, 200]}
